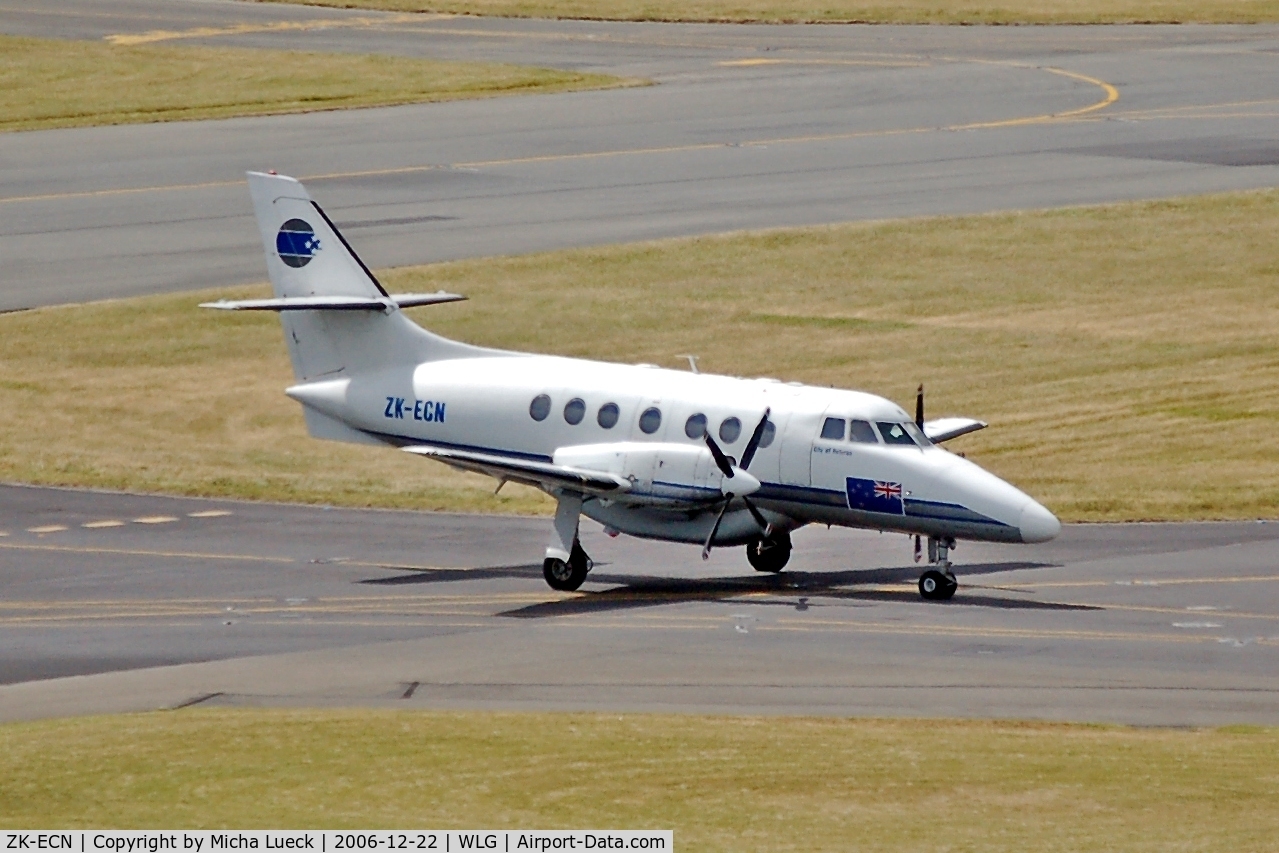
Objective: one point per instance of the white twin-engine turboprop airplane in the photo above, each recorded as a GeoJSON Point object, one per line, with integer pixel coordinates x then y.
{"type": "Point", "coordinates": [661, 454]}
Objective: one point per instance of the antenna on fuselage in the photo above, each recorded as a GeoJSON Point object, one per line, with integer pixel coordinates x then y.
{"type": "Point", "coordinates": [692, 362]}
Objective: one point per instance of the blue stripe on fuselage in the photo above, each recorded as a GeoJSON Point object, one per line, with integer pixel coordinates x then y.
{"type": "Point", "coordinates": [780, 492]}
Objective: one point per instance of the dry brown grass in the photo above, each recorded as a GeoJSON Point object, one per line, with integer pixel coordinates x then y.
{"type": "Point", "coordinates": [864, 11]}
{"type": "Point", "coordinates": [762, 783]}
{"type": "Point", "coordinates": [48, 83]}
{"type": "Point", "coordinates": [1125, 356]}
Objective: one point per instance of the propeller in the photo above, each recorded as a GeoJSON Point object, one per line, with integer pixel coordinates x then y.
{"type": "Point", "coordinates": [919, 422]}
{"type": "Point", "coordinates": [736, 476]}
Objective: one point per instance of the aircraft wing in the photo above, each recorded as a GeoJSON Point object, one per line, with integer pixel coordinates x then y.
{"type": "Point", "coordinates": [944, 429]}
{"type": "Point", "coordinates": [543, 475]}
{"type": "Point", "coordinates": [335, 303]}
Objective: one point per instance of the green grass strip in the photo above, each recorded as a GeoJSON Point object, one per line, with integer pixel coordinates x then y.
{"type": "Point", "coordinates": [859, 11]}
{"type": "Point", "coordinates": [1125, 356]}
{"type": "Point", "coordinates": [46, 83]}
{"type": "Point", "coordinates": [721, 783]}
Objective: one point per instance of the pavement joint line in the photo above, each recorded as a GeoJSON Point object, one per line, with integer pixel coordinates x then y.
{"type": "Point", "coordinates": [134, 39]}
{"type": "Point", "coordinates": [1112, 95]}
{"type": "Point", "coordinates": [1181, 611]}
{"type": "Point", "coordinates": [193, 555]}
{"type": "Point", "coordinates": [1010, 633]}
{"type": "Point", "coordinates": [1142, 583]}
{"type": "Point", "coordinates": [222, 602]}
{"type": "Point", "coordinates": [214, 613]}
{"type": "Point", "coordinates": [878, 63]}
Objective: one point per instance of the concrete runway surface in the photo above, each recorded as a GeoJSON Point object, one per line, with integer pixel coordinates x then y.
{"type": "Point", "coordinates": [152, 602]}
{"type": "Point", "coordinates": [746, 127]}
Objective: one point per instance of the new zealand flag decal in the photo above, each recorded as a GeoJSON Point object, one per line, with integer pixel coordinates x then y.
{"type": "Point", "coordinates": [296, 243]}
{"type": "Point", "coordinates": [875, 496]}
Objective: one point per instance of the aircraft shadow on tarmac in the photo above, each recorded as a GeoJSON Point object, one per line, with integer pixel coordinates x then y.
{"type": "Point", "coordinates": [632, 591]}
{"type": "Point", "coordinates": [531, 570]}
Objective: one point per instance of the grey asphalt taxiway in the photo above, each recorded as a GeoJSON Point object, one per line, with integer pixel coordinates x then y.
{"type": "Point", "coordinates": [744, 127]}
{"type": "Point", "coordinates": [151, 602]}
{"type": "Point", "coordinates": [115, 602]}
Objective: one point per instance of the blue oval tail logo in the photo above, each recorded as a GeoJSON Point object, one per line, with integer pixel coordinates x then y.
{"type": "Point", "coordinates": [296, 243]}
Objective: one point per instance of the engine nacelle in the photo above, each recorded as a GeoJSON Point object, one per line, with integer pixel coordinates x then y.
{"type": "Point", "coordinates": [681, 472]}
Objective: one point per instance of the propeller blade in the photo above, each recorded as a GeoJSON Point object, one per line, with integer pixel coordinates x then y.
{"type": "Point", "coordinates": [751, 446]}
{"type": "Point", "coordinates": [919, 407]}
{"type": "Point", "coordinates": [764, 526]}
{"type": "Point", "coordinates": [725, 467]}
{"type": "Point", "coordinates": [706, 549]}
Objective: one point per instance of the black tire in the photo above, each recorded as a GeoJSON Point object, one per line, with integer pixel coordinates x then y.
{"type": "Point", "coordinates": [935, 586]}
{"type": "Point", "coordinates": [561, 575]}
{"type": "Point", "coordinates": [769, 555]}
{"type": "Point", "coordinates": [567, 576]}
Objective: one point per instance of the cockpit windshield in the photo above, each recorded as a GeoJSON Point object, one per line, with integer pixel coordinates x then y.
{"type": "Point", "coordinates": [918, 434]}
{"type": "Point", "coordinates": [895, 433]}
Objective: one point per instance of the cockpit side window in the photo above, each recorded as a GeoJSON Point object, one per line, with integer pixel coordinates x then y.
{"type": "Point", "coordinates": [895, 434]}
{"type": "Point", "coordinates": [833, 429]}
{"type": "Point", "coordinates": [862, 431]}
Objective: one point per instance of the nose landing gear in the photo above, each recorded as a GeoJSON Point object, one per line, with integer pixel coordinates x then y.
{"type": "Point", "coordinates": [938, 583]}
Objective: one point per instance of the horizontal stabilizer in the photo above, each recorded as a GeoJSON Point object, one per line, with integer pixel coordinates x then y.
{"type": "Point", "coordinates": [335, 303]}
{"type": "Point", "coordinates": [944, 429]}
{"type": "Point", "coordinates": [532, 473]}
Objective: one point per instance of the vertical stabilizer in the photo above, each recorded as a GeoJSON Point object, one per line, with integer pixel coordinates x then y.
{"type": "Point", "coordinates": [305, 253]}
{"type": "Point", "coordinates": [306, 256]}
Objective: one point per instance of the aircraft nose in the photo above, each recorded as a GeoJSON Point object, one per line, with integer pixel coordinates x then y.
{"type": "Point", "coordinates": [1038, 524]}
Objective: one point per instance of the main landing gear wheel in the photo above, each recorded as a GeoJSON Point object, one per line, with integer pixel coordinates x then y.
{"type": "Point", "coordinates": [567, 577]}
{"type": "Point", "coordinates": [935, 586]}
{"type": "Point", "coordinates": [769, 555]}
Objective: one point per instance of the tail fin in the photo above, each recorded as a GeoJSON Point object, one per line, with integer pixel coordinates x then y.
{"type": "Point", "coordinates": [305, 253]}
{"type": "Point", "coordinates": [338, 319]}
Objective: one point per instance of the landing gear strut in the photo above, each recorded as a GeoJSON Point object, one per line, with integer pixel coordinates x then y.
{"type": "Point", "coordinates": [566, 564]}
{"type": "Point", "coordinates": [771, 554]}
{"type": "Point", "coordinates": [938, 583]}
{"type": "Point", "coordinates": [567, 575]}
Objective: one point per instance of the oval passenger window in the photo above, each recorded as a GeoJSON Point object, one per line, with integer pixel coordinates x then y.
{"type": "Point", "coordinates": [770, 432]}
{"type": "Point", "coordinates": [607, 416]}
{"type": "Point", "coordinates": [695, 426]}
{"type": "Point", "coordinates": [540, 407]}
{"type": "Point", "coordinates": [650, 421]}
{"type": "Point", "coordinates": [575, 410]}
{"type": "Point", "coordinates": [730, 430]}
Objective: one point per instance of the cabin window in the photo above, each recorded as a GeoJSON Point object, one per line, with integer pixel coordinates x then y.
{"type": "Point", "coordinates": [862, 431]}
{"type": "Point", "coordinates": [650, 420]}
{"type": "Point", "coordinates": [540, 407]}
{"type": "Point", "coordinates": [695, 426]}
{"type": "Point", "coordinates": [770, 433]}
{"type": "Point", "coordinates": [895, 434]}
{"type": "Point", "coordinates": [730, 430]}
{"type": "Point", "coordinates": [918, 434]}
{"type": "Point", "coordinates": [833, 429]}
{"type": "Point", "coordinates": [607, 416]}
{"type": "Point", "coordinates": [575, 410]}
